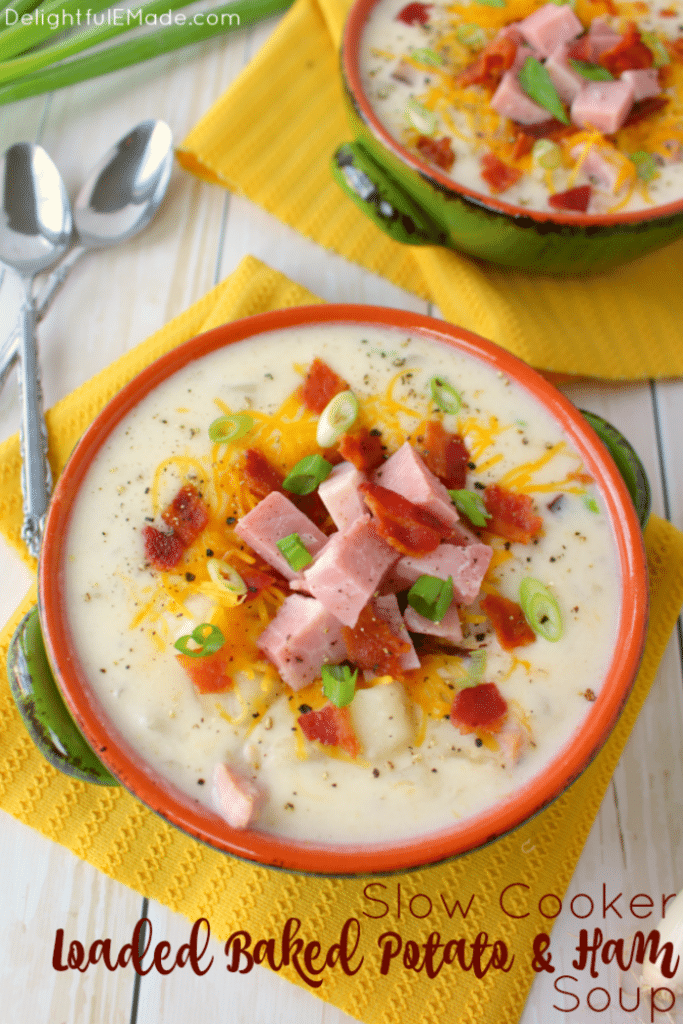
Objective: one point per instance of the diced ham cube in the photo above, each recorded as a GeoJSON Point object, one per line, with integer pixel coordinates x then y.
{"type": "Point", "coordinates": [510, 32]}
{"type": "Point", "coordinates": [509, 100]}
{"type": "Point", "coordinates": [643, 81]}
{"type": "Point", "coordinates": [600, 38]}
{"type": "Point", "coordinates": [467, 566]}
{"type": "Point", "coordinates": [597, 165]}
{"type": "Point", "coordinates": [339, 494]}
{"type": "Point", "coordinates": [566, 80]}
{"type": "Point", "coordinates": [348, 570]}
{"type": "Point", "coordinates": [513, 740]}
{"type": "Point", "coordinates": [549, 26]}
{"type": "Point", "coordinates": [523, 52]}
{"type": "Point", "coordinates": [272, 519]}
{"type": "Point", "coordinates": [302, 638]}
{"type": "Point", "coordinates": [448, 629]}
{"type": "Point", "coordinates": [406, 473]}
{"type": "Point", "coordinates": [235, 797]}
{"type": "Point", "coordinates": [603, 105]}
{"type": "Point", "coordinates": [387, 608]}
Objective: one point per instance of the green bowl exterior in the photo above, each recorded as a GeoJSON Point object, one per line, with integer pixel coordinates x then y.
{"type": "Point", "coordinates": [43, 710]}
{"type": "Point", "coordinates": [519, 242]}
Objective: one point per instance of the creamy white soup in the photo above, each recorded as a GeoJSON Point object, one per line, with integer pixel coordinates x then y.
{"type": "Point", "coordinates": [412, 752]}
{"type": "Point", "coordinates": [554, 107]}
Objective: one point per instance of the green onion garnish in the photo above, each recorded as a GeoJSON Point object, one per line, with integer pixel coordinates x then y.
{"type": "Point", "coordinates": [307, 474]}
{"type": "Point", "coordinates": [593, 72]}
{"type": "Point", "coordinates": [546, 154]}
{"type": "Point", "coordinates": [420, 117]}
{"type": "Point", "coordinates": [540, 608]}
{"type": "Point", "coordinates": [475, 672]}
{"type": "Point", "coordinates": [207, 642]}
{"type": "Point", "coordinates": [645, 165]}
{"type": "Point", "coordinates": [472, 36]}
{"type": "Point", "coordinates": [426, 56]}
{"type": "Point", "coordinates": [471, 505]}
{"type": "Point", "coordinates": [492, 3]}
{"type": "Point", "coordinates": [590, 503]}
{"type": "Point", "coordinates": [230, 428]}
{"type": "Point", "coordinates": [337, 417]}
{"type": "Point", "coordinates": [228, 578]}
{"type": "Point", "coordinates": [294, 552]}
{"type": "Point", "coordinates": [536, 83]}
{"type": "Point", "coordinates": [339, 684]}
{"type": "Point", "coordinates": [431, 597]}
{"type": "Point", "coordinates": [444, 395]}
{"type": "Point", "coordinates": [656, 48]}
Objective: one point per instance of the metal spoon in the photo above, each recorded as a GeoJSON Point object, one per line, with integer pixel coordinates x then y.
{"type": "Point", "coordinates": [35, 230]}
{"type": "Point", "coordinates": [119, 198]}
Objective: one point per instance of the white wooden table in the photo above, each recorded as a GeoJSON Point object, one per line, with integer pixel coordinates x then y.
{"type": "Point", "coordinates": [112, 301]}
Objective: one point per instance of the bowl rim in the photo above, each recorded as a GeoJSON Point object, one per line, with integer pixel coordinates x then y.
{"type": "Point", "coordinates": [350, 64]}
{"type": "Point", "coordinates": [316, 857]}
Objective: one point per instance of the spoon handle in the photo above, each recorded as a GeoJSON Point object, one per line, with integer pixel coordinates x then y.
{"type": "Point", "coordinates": [36, 478]}
{"type": "Point", "coordinates": [55, 281]}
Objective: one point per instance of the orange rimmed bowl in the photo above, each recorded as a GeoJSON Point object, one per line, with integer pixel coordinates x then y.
{"type": "Point", "coordinates": [123, 764]}
{"type": "Point", "coordinates": [415, 202]}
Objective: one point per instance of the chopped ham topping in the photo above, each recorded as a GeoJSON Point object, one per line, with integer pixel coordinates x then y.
{"type": "Point", "coordinates": [208, 674]}
{"type": "Point", "coordinates": [163, 550]}
{"type": "Point", "coordinates": [446, 455]}
{"type": "Point", "coordinates": [363, 449]}
{"type": "Point", "coordinates": [331, 726]}
{"type": "Point", "coordinates": [480, 708]}
{"type": "Point", "coordinates": [498, 175]}
{"type": "Point", "coordinates": [404, 526]}
{"type": "Point", "coordinates": [236, 798]}
{"type": "Point", "coordinates": [437, 151]}
{"type": "Point", "coordinates": [507, 619]}
{"type": "Point", "coordinates": [320, 386]}
{"type": "Point", "coordinates": [371, 644]}
{"type": "Point", "coordinates": [187, 515]}
{"type": "Point", "coordinates": [512, 515]}
{"type": "Point", "coordinates": [576, 199]}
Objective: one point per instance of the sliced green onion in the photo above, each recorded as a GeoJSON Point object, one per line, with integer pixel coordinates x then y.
{"type": "Point", "coordinates": [223, 575]}
{"type": "Point", "coordinates": [230, 428]}
{"type": "Point", "coordinates": [492, 3]}
{"type": "Point", "coordinates": [339, 684]}
{"type": "Point", "coordinates": [444, 395]}
{"type": "Point", "coordinates": [645, 165]}
{"type": "Point", "coordinates": [564, 3]}
{"type": "Point", "coordinates": [337, 417]}
{"type": "Point", "coordinates": [657, 49]}
{"type": "Point", "coordinates": [307, 474]}
{"type": "Point", "coordinates": [540, 608]}
{"type": "Point", "coordinates": [295, 553]}
{"type": "Point", "coordinates": [476, 669]}
{"type": "Point", "coordinates": [471, 505]}
{"type": "Point", "coordinates": [593, 72]}
{"type": "Point", "coordinates": [536, 83]}
{"type": "Point", "coordinates": [431, 597]}
{"type": "Point", "coordinates": [546, 154]}
{"type": "Point", "coordinates": [590, 503]}
{"type": "Point", "coordinates": [471, 36]}
{"type": "Point", "coordinates": [426, 56]}
{"type": "Point", "coordinates": [208, 639]}
{"type": "Point", "coordinates": [425, 121]}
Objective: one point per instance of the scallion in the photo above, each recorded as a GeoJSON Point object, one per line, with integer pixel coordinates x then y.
{"type": "Point", "coordinates": [337, 417]}
{"type": "Point", "coordinates": [426, 56]}
{"type": "Point", "coordinates": [475, 670]}
{"type": "Point", "coordinates": [294, 552]}
{"type": "Point", "coordinates": [472, 36]}
{"type": "Point", "coordinates": [536, 83]}
{"type": "Point", "coordinates": [230, 428]}
{"type": "Point", "coordinates": [307, 474]}
{"type": "Point", "coordinates": [422, 119]}
{"type": "Point", "coordinates": [208, 640]}
{"type": "Point", "coordinates": [657, 49]}
{"type": "Point", "coordinates": [444, 395]}
{"type": "Point", "coordinates": [546, 154]}
{"type": "Point", "coordinates": [646, 167]}
{"type": "Point", "coordinates": [224, 576]}
{"type": "Point", "coordinates": [471, 505]}
{"type": "Point", "coordinates": [339, 684]}
{"type": "Point", "coordinates": [492, 3]}
{"type": "Point", "coordinates": [592, 72]}
{"type": "Point", "coordinates": [540, 608]}
{"type": "Point", "coordinates": [431, 597]}
{"type": "Point", "coordinates": [590, 503]}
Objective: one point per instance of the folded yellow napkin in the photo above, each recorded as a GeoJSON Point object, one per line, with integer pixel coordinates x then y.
{"type": "Point", "coordinates": [125, 840]}
{"type": "Point", "coordinates": [271, 136]}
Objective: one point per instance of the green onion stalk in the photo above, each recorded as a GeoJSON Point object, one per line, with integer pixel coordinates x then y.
{"type": "Point", "coordinates": [46, 69]}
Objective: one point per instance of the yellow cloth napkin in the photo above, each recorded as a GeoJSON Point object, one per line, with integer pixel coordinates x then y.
{"type": "Point", "coordinates": [271, 136]}
{"type": "Point", "coordinates": [125, 840]}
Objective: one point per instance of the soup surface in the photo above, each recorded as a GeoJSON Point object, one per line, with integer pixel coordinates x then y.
{"type": "Point", "coordinates": [438, 726]}
{"type": "Point", "coordinates": [575, 108]}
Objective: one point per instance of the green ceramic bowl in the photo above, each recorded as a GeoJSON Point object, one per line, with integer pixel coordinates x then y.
{"type": "Point", "coordinates": [416, 203]}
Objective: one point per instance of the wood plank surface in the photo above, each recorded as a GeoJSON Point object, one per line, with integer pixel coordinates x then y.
{"type": "Point", "coordinates": [112, 301]}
